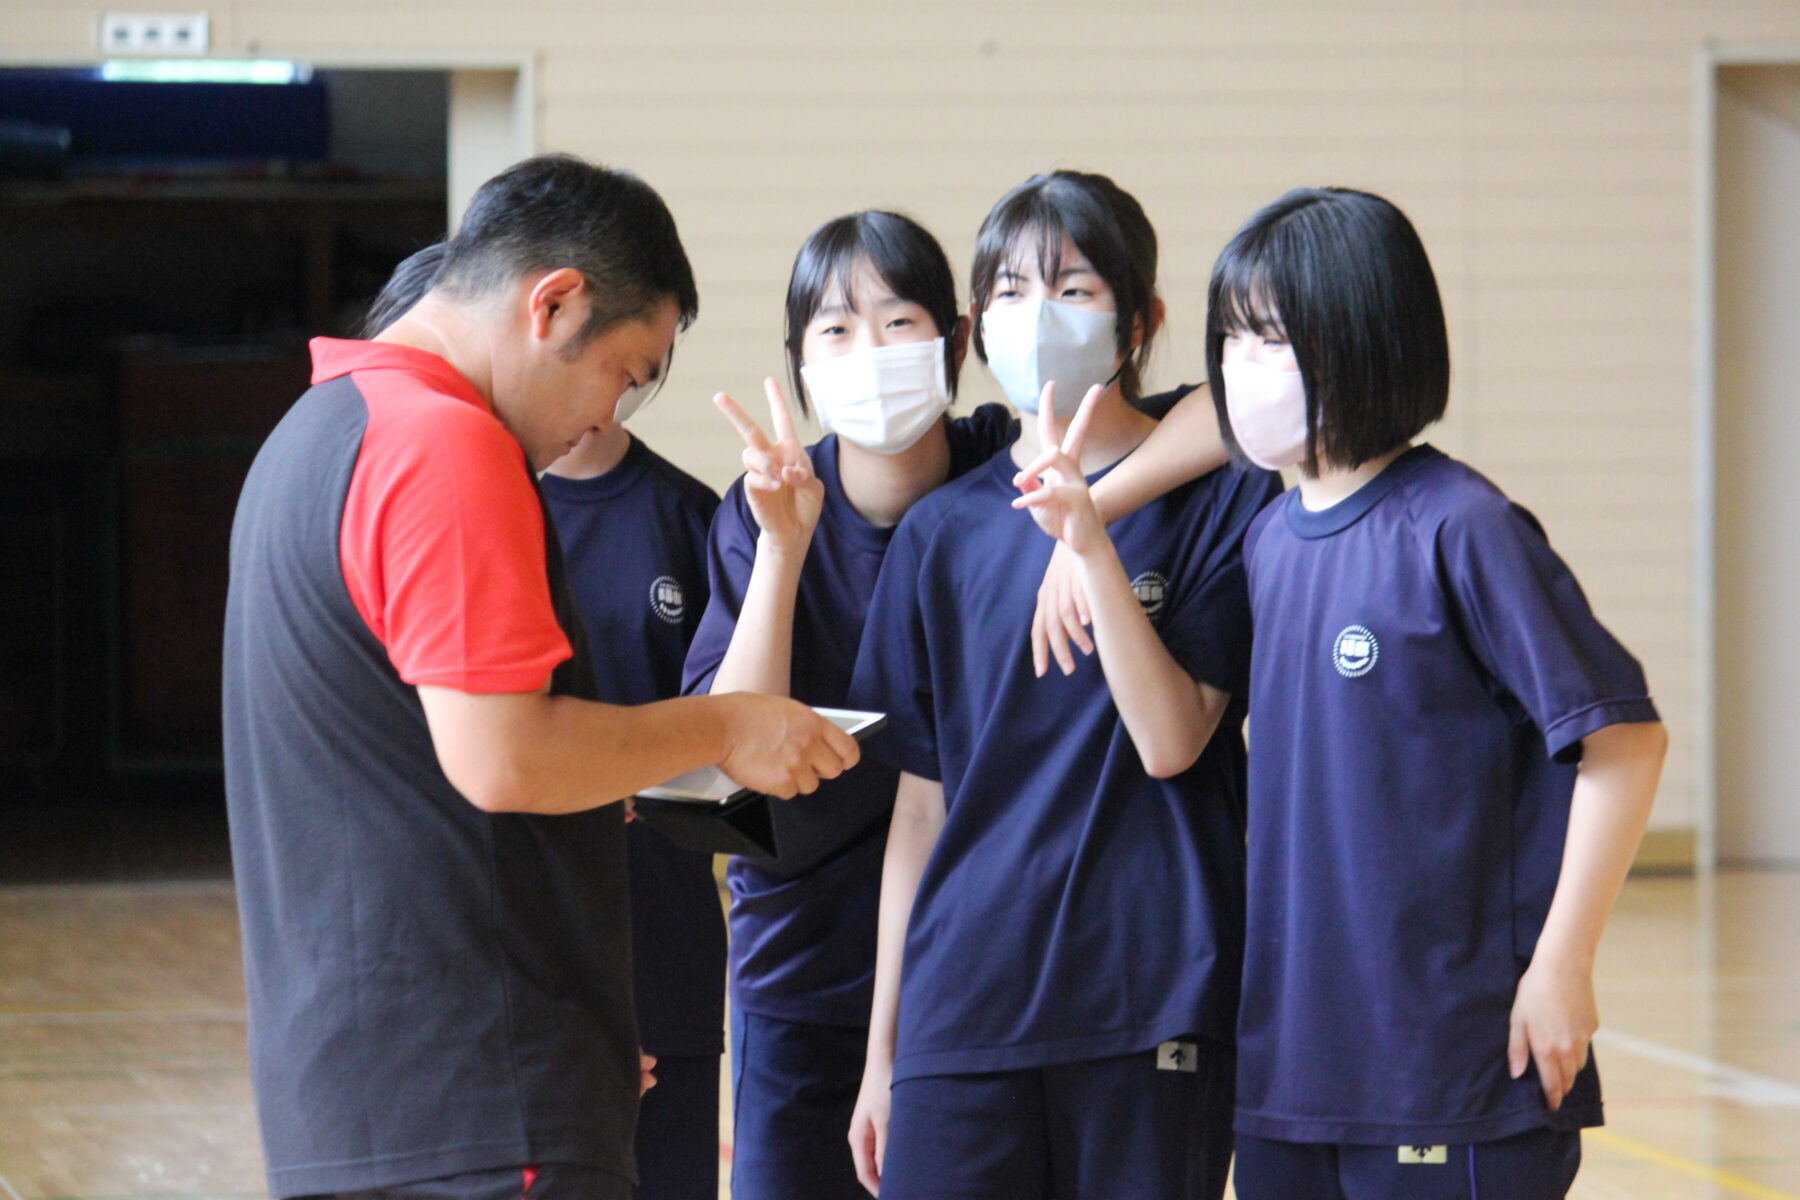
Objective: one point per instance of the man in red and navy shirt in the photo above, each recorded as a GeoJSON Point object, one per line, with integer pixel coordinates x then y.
{"type": "Point", "coordinates": [429, 856]}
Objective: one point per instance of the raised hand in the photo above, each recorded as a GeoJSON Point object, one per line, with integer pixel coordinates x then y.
{"type": "Point", "coordinates": [785, 496]}
{"type": "Point", "coordinates": [1056, 491]}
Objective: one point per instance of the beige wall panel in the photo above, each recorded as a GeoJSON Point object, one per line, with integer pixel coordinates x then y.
{"type": "Point", "coordinates": [1544, 147]}
{"type": "Point", "coordinates": [27, 30]}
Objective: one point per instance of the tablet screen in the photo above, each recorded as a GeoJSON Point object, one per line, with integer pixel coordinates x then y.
{"type": "Point", "coordinates": [711, 785]}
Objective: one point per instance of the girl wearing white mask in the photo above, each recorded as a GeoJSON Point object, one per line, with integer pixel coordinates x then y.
{"type": "Point", "coordinates": [874, 340]}
{"type": "Point", "coordinates": [1062, 895]}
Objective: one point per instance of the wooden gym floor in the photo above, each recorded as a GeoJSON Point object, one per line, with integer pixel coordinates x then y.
{"type": "Point", "coordinates": [122, 1067]}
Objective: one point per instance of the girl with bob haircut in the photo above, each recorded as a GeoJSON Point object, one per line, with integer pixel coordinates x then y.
{"type": "Point", "coordinates": [1061, 905]}
{"type": "Point", "coordinates": [1454, 759]}
{"type": "Point", "coordinates": [874, 340]}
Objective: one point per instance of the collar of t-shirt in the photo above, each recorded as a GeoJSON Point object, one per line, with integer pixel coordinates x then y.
{"type": "Point", "coordinates": [1355, 506]}
{"type": "Point", "coordinates": [334, 358]}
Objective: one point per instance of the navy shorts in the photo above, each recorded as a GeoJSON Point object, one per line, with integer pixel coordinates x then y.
{"type": "Point", "coordinates": [550, 1181]}
{"type": "Point", "coordinates": [1155, 1125]}
{"type": "Point", "coordinates": [1536, 1165]}
{"type": "Point", "coordinates": [794, 1090]}
{"type": "Point", "coordinates": [678, 1130]}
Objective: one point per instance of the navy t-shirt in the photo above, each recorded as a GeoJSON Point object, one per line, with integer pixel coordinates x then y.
{"type": "Point", "coordinates": [1425, 669]}
{"type": "Point", "coordinates": [803, 943]}
{"type": "Point", "coordinates": [1073, 907]}
{"type": "Point", "coordinates": [635, 544]}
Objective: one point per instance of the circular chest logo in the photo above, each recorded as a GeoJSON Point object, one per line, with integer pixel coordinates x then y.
{"type": "Point", "coordinates": [666, 599]}
{"type": "Point", "coordinates": [1355, 651]}
{"type": "Point", "coordinates": [1151, 587]}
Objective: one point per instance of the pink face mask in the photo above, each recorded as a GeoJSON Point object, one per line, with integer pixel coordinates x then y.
{"type": "Point", "coordinates": [1267, 407]}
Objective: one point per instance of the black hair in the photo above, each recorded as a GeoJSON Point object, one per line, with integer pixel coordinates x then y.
{"type": "Point", "coordinates": [415, 276]}
{"type": "Point", "coordinates": [901, 251]}
{"type": "Point", "coordinates": [1343, 278]}
{"type": "Point", "coordinates": [556, 211]}
{"type": "Point", "coordinates": [1107, 225]}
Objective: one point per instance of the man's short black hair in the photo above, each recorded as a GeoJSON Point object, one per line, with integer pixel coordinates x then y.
{"type": "Point", "coordinates": [556, 211]}
{"type": "Point", "coordinates": [1342, 276]}
{"type": "Point", "coordinates": [1107, 225]}
{"type": "Point", "coordinates": [901, 251]}
{"type": "Point", "coordinates": [416, 275]}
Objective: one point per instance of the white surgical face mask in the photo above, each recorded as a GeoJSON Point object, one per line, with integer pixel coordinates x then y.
{"type": "Point", "coordinates": [1267, 407]}
{"type": "Point", "coordinates": [1035, 341]}
{"type": "Point", "coordinates": [883, 398]}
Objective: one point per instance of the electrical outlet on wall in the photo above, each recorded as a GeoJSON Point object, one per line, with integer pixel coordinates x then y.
{"type": "Point", "coordinates": [153, 33]}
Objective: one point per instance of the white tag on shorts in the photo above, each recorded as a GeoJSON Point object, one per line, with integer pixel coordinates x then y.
{"type": "Point", "coordinates": [1178, 1056]}
{"type": "Point", "coordinates": [1424, 1155]}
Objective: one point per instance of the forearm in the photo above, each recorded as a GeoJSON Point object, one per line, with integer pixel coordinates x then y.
{"type": "Point", "coordinates": [1184, 446]}
{"type": "Point", "coordinates": [1169, 715]}
{"type": "Point", "coordinates": [557, 754]}
{"type": "Point", "coordinates": [1607, 815]}
{"type": "Point", "coordinates": [761, 655]}
{"type": "Point", "coordinates": [917, 821]}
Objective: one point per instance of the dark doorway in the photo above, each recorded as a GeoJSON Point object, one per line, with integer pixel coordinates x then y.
{"type": "Point", "coordinates": [167, 247]}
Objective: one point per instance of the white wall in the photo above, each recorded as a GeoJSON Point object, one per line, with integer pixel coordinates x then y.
{"type": "Point", "coordinates": [1758, 471]}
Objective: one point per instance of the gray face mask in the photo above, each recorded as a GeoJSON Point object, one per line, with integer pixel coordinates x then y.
{"type": "Point", "coordinates": [1033, 342]}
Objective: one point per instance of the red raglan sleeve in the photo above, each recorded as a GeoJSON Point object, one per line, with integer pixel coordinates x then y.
{"type": "Point", "coordinates": [442, 546]}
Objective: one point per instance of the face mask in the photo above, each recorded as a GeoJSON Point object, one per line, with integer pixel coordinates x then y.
{"type": "Point", "coordinates": [632, 399]}
{"type": "Point", "coordinates": [1033, 342]}
{"type": "Point", "coordinates": [1267, 407]}
{"type": "Point", "coordinates": [884, 398]}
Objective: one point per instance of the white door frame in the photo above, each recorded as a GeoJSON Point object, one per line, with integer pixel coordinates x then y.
{"type": "Point", "coordinates": [1707, 63]}
{"type": "Point", "coordinates": [492, 118]}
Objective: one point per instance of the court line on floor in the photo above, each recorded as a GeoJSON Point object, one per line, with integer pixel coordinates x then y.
{"type": "Point", "coordinates": [1723, 1081]}
{"type": "Point", "coordinates": [8, 1188]}
{"type": "Point", "coordinates": [116, 1016]}
{"type": "Point", "coordinates": [1736, 1184]}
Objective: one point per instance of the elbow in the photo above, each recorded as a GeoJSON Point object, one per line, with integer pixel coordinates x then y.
{"type": "Point", "coordinates": [493, 786]}
{"type": "Point", "coordinates": [1168, 762]}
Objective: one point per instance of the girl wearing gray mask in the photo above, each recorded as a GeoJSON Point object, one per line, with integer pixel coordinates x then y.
{"type": "Point", "coordinates": [875, 339]}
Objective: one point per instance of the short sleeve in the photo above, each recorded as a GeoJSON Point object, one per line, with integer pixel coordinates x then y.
{"type": "Point", "coordinates": [1208, 627]}
{"type": "Point", "coordinates": [443, 551]}
{"type": "Point", "coordinates": [893, 666]}
{"type": "Point", "coordinates": [1525, 618]}
{"type": "Point", "coordinates": [987, 431]}
{"type": "Point", "coordinates": [730, 557]}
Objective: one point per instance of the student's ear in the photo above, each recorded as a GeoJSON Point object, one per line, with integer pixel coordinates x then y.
{"type": "Point", "coordinates": [557, 300]}
{"type": "Point", "coordinates": [959, 341]}
{"type": "Point", "coordinates": [1158, 311]}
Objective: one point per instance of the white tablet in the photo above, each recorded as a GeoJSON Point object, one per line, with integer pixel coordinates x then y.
{"type": "Point", "coordinates": [710, 785]}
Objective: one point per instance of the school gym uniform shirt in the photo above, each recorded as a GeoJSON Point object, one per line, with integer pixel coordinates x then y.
{"type": "Point", "coordinates": [433, 990]}
{"type": "Point", "coordinates": [1425, 670]}
{"type": "Point", "coordinates": [803, 925]}
{"type": "Point", "coordinates": [1074, 908]}
{"type": "Point", "coordinates": [634, 540]}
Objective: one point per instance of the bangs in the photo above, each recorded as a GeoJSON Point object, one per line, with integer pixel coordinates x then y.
{"type": "Point", "coordinates": [903, 256]}
{"type": "Point", "coordinates": [1244, 294]}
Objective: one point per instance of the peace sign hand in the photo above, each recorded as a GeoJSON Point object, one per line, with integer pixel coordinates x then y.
{"type": "Point", "coordinates": [1056, 492]}
{"type": "Point", "coordinates": [785, 496]}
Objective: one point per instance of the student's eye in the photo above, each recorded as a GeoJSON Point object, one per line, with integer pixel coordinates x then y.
{"type": "Point", "coordinates": [1075, 293]}
{"type": "Point", "coordinates": [901, 322]}
{"type": "Point", "coordinates": [832, 330]}
{"type": "Point", "coordinates": [1008, 293]}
